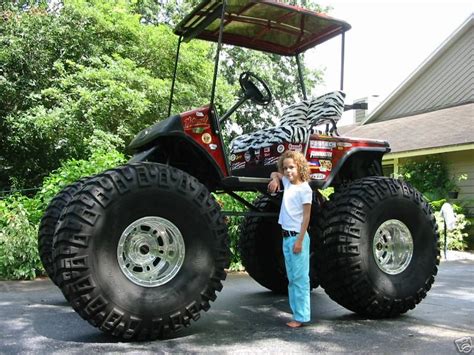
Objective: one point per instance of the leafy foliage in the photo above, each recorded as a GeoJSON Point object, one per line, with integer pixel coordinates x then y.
{"type": "Point", "coordinates": [101, 159]}
{"type": "Point", "coordinates": [20, 215]}
{"type": "Point", "coordinates": [19, 257]}
{"type": "Point", "coordinates": [233, 224]}
{"type": "Point", "coordinates": [92, 66]}
{"type": "Point", "coordinates": [457, 237]}
{"type": "Point", "coordinates": [163, 11]}
{"type": "Point", "coordinates": [429, 176]}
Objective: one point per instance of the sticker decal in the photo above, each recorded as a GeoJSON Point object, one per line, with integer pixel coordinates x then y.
{"type": "Point", "coordinates": [280, 148]}
{"type": "Point", "coordinates": [295, 147]}
{"type": "Point", "coordinates": [232, 157]}
{"type": "Point", "coordinates": [239, 165]}
{"type": "Point", "coordinates": [326, 165]}
{"type": "Point", "coordinates": [198, 130]}
{"type": "Point", "coordinates": [317, 176]}
{"type": "Point", "coordinates": [247, 156]}
{"type": "Point", "coordinates": [322, 144]}
{"type": "Point", "coordinates": [213, 146]}
{"type": "Point", "coordinates": [194, 121]}
{"type": "Point", "coordinates": [270, 161]}
{"type": "Point", "coordinates": [320, 154]}
{"type": "Point", "coordinates": [266, 152]}
{"type": "Point", "coordinates": [206, 138]}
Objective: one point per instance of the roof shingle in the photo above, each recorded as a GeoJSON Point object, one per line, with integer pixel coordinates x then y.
{"type": "Point", "coordinates": [446, 127]}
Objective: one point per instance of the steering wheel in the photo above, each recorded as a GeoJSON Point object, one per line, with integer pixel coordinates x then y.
{"type": "Point", "coordinates": [253, 90]}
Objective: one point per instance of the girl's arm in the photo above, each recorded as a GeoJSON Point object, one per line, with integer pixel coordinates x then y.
{"type": "Point", "coordinates": [304, 227]}
{"type": "Point", "coordinates": [274, 183]}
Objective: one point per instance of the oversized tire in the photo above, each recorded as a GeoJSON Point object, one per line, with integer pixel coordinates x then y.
{"type": "Point", "coordinates": [49, 222]}
{"type": "Point", "coordinates": [260, 246]}
{"type": "Point", "coordinates": [379, 252]}
{"type": "Point", "coordinates": [141, 250]}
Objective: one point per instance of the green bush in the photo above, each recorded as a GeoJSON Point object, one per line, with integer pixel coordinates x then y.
{"type": "Point", "coordinates": [233, 223]}
{"type": "Point", "coordinates": [457, 237]}
{"type": "Point", "coordinates": [20, 215]}
{"type": "Point", "coordinates": [91, 65]}
{"type": "Point", "coordinates": [103, 156]}
{"type": "Point", "coordinates": [18, 242]}
{"type": "Point", "coordinates": [430, 177]}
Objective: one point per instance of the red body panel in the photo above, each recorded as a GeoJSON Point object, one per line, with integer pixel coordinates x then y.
{"type": "Point", "coordinates": [325, 152]}
{"type": "Point", "coordinates": [265, 156]}
{"type": "Point", "coordinates": [197, 125]}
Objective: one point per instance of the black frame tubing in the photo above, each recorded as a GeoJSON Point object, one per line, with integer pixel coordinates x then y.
{"type": "Point", "coordinates": [219, 47]}
{"type": "Point", "coordinates": [300, 75]}
{"type": "Point", "coordinates": [343, 45]}
{"type": "Point", "coordinates": [174, 75]}
{"type": "Point", "coordinates": [254, 211]}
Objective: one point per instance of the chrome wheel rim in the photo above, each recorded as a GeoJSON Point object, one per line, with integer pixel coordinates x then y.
{"type": "Point", "coordinates": [393, 247]}
{"type": "Point", "coordinates": [151, 251]}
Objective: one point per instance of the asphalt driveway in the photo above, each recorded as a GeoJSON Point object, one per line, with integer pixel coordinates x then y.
{"type": "Point", "coordinates": [35, 318]}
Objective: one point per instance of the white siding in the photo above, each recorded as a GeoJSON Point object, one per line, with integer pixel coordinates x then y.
{"type": "Point", "coordinates": [448, 81]}
{"type": "Point", "coordinates": [463, 163]}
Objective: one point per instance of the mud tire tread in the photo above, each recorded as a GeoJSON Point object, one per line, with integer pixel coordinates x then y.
{"type": "Point", "coordinates": [75, 276]}
{"type": "Point", "coordinates": [339, 256]}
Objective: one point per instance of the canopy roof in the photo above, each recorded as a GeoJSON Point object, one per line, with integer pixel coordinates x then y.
{"type": "Point", "coordinates": [266, 25]}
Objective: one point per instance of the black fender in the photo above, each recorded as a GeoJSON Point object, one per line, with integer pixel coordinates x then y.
{"type": "Point", "coordinates": [172, 125]}
{"type": "Point", "coordinates": [166, 142]}
{"type": "Point", "coordinates": [182, 152]}
{"type": "Point", "coordinates": [369, 154]}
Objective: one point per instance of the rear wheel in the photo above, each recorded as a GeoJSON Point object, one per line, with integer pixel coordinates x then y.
{"type": "Point", "coordinates": [49, 222]}
{"type": "Point", "coordinates": [261, 251]}
{"type": "Point", "coordinates": [141, 251]}
{"type": "Point", "coordinates": [379, 252]}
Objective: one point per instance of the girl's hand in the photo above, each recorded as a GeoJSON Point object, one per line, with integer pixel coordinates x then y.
{"type": "Point", "coordinates": [297, 246]}
{"type": "Point", "coordinates": [274, 185]}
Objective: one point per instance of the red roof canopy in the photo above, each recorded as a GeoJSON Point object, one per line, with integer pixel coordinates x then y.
{"type": "Point", "coordinates": [266, 25]}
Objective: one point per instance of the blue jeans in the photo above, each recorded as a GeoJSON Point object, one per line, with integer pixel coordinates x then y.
{"type": "Point", "coordinates": [297, 270]}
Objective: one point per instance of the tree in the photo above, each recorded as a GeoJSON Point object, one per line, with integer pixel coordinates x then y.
{"type": "Point", "coordinates": [92, 67]}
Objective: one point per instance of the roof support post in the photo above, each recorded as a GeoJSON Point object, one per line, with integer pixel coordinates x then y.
{"type": "Point", "coordinates": [219, 47]}
{"type": "Point", "coordinates": [174, 75]}
{"type": "Point", "coordinates": [300, 74]}
{"type": "Point", "coordinates": [343, 45]}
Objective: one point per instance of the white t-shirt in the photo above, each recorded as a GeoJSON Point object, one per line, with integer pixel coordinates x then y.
{"type": "Point", "coordinates": [294, 197]}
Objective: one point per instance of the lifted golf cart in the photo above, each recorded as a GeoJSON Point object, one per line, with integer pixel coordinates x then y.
{"type": "Point", "coordinates": [141, 249]}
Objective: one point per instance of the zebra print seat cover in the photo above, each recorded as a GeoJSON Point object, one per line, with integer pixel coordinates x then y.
{"type": "Point", "coordinates": [295, 124]}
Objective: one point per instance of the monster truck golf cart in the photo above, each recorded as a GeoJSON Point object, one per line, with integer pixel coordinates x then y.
{"type": "Point", "coordinates": [141, 249]}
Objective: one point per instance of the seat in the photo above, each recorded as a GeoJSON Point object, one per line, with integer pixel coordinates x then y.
{"type": "Point", "coordinates": [298, 121]}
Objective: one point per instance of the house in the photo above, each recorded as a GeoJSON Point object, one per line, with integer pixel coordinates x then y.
{"type": "Point", "coordinates": [431, 112]}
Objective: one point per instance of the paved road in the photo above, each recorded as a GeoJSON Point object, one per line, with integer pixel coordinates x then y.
{"type": "Point", "coordinates": [34, 318]}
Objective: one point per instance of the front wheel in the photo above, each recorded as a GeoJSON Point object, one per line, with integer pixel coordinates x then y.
{"type": "Point", "coordinates": [379, 252]}
{"type": "Point", "coordinates": [141, 250]}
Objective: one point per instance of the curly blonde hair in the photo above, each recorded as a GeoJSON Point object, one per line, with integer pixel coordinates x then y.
{"type": "Point", "coordinates": [300, 161]}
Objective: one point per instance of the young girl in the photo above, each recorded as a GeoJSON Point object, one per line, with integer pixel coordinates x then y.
{"type": "Point", "coordinates": [294, 219]}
